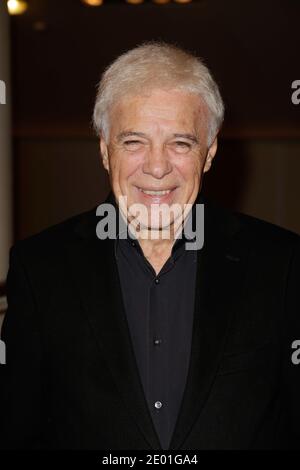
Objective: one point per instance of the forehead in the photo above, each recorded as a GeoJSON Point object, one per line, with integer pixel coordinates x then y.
{"type": "Point", "coordinates": [163, 107]}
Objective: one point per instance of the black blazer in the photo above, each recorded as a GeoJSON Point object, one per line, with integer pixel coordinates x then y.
{"type": "Point", "coordinates": [71, 380]}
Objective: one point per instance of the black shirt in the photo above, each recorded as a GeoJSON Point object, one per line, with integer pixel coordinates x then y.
{"type": "Point", "coordinates": [160, 311]}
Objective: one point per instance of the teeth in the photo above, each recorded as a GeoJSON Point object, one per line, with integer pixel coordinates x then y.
{"type": "Point", "coordinates": [156, 193]}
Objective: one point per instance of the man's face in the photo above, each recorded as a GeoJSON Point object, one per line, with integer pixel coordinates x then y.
{"type": "Point", "coordinates": [157, 152]}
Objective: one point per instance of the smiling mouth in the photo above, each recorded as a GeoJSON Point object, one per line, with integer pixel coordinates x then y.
{"type": "Point", "coordinates": [151, 192]}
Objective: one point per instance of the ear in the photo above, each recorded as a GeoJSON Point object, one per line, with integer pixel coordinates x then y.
{"type": "Point", "coordinates": [210, 155]}
{"type": "Point", "coordinates": [104, 153]}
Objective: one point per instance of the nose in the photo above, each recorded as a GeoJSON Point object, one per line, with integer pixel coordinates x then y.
{"type": "Point", "coordinates": [157, 163]}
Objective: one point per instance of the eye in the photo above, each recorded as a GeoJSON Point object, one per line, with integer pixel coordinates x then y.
{"type": "Point", "coordinates": [182, 146]}
{"type": "Point", "coordinates": [181, 143]}
{"type": "Point", "coordinates": [132, 144]}
{"type": "Point", "coordinates": [128, 142]}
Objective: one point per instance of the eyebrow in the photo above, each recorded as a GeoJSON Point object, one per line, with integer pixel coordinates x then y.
{"type": "Point", "coordinates": [191, 137]}
{"type": "Point", "coordinates": [124, 134]}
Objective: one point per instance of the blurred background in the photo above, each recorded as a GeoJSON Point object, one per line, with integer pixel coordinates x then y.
{"type": "Point", "coordinates": [52, 53]}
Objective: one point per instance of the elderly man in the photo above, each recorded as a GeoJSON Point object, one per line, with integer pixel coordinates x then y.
{"type": "Point", "coordinates": [144, 338]}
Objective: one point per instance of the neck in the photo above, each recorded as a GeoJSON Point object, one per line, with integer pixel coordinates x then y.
{"type": "Point", "coordinates": [156, 245]}
{"type": "Point", "coordinates": [158, 249]}
{"type": "Point", "coordinates": [156, 252]}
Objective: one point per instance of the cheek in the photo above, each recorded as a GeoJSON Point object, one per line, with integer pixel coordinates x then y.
{"type": "Point", "coordinates": [124, 166]}
{"type": "Point", "coordinates": [189, 168]}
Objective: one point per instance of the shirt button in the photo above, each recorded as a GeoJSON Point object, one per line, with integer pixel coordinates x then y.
{"type": "Point", "coordinates": [157, 342]}
{"type": "Point", "coordinates": [133, 243]}
{"type": "Point", "coordinates": [156, 281]}
{"type": "Point", "coordinates": [158, 404]}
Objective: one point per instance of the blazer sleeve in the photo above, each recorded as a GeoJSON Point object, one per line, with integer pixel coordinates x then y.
{"type": "Point", "coordinates": [291, 351]}
{"type": "Point", "coordinates": [21, 377]}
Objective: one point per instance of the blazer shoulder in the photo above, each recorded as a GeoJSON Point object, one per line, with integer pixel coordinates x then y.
{"type": "Point", "coordinates": [266, 232]}
{"type": "Point", "coordinates": [55, 237]}
{"type": "Point", "coordinates": [252, 230]}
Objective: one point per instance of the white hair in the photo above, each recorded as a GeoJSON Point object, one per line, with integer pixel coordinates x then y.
{"type": "Point", "coordinates": [157, 65]}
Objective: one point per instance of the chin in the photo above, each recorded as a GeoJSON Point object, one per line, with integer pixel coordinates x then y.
{"type": "Point", "coordinates": [156, 225]}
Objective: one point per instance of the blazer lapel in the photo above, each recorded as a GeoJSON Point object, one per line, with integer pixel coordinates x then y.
{"type": "Point", "coordinates": [221, 264]}
{"type": "Point", "coordinates": [97, 283]}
